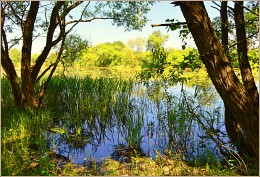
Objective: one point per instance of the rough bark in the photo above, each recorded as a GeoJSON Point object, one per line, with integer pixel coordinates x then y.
{"type": "Point", "coordinates": [8, 65]}
{"type": "Point", "coordinates": [224, 25]}
{"type": "Point", "coordinates": [11, 74]}
{"type": "Point", "coordinates": [28, 93]}
{"type": "Point", "coordinates": [244, 65]}
{"type": "Point", "coordinates": [232, 127]}
{"type": "Point", "coordinates": [233, 93]}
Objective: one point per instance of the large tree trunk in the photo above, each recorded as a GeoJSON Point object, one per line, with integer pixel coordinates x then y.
{"type": "Point", "coordinates": [238, 99]}
{"type": "Point", "coordinates": [232, 127]}
{"type": "Point", "coordinates": [28, 96]}
{"type": "Point", "coordinates": [244, 65]}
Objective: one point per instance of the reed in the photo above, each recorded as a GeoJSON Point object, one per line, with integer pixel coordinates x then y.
{"type": "Point", "coordinates": [79, 111]}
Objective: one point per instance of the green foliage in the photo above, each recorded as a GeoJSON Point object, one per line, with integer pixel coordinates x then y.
{"type": "Point", "coordinates": [156, 40]}
{"type": "Point", "coordinates": [155, 67]}
{"type": "Point", "coordinates": [34, 57]}
{"type": "Point", "coordinates": [110, 54]}
{"type": "Point", "coordinates": [137, 44]}
{"type": "Point", "coordinates": [191, 61]}
{"type": "Point", "coordinates": [253, 57]}
{"type": "Point", "coordinates": [106, 54]}
{"type": "Point", "coordinates": [252, 22]}
{"type": "Point", "coordinates": [173, 27]}
{"type": "Point", "coordinates": [170, 65]}
{"type": "Point", "coordinates": [217, 26]}
{"type": "Point", "coordinates": [15, 55]}
{"type": "Point", "coordinates": [51, 58]}
{"type": "Point", "coordinates": [74, 47]}
{"type": "Point", "coordinates": [158, 59]}
{"type": "Point", "coordinates": [184, 32]}
{"type": "Point", "coordinates": [129, 14]}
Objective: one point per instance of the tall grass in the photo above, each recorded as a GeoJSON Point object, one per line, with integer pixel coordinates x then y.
{"type": "Point", "coordinates": [89, 106]}
{"type": "Point", "coordinates": [21, 136]}
{"type": "Point", "coordinates": [79, 111]}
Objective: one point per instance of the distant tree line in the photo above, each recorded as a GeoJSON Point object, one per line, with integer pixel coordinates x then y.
{"type": "Point", "coordinates": [136, 53]}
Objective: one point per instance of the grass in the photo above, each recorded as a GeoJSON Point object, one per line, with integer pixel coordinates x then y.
{"type": "Point", "coordinates": [80, 109]}
{"type": "Point", "coordinates": [162, 166]}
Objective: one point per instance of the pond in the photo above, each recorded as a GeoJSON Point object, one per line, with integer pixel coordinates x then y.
{"type": "Point", "coordinates": [98, 117]}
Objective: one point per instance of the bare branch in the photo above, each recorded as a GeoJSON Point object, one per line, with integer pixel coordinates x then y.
{"type": "Point", "coordinates": [95, 18]}
{"type": "Point", "coordinates": [79, 18]}
{"type": "Point", "coordinates": [15, 13]}
{"type": "Point", "coordinates": [220, 7]}
{"type": "Point", "coordinates": [4, 39]}
{"type": "Point", "coordinates": [216, 4]}
{"type": "Point", "coordinates": [169, 24]}
{"type": "Point", "coordinates": [43, 73]}
{"type": "Point", "coordinates": [16, 41]}
{"type": "Point", "coordinates": [215, 8]}
{"type": "Point", "coordinates": [233, 45]}
{"type": "Point", "coordinates": [247, 9]}
{"type": "Point", "coordinates": [67, 10]}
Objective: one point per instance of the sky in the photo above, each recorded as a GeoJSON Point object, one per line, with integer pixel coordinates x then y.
{"type": "Point", "coordinates": [158, 14]}
{"type": "Point", "coordinates": [100, 31]}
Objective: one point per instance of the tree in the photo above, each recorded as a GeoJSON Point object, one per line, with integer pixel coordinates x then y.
{"type": "Point", "coordinates": [53, 21]}
{"type": "Point", "coordinates": [242, 100]}
{"type": "Point", "coordinates": [156, 40]}
{"type": "Point", "coordinates": [74, 47]}
{"type": "Point", "coordinates": [137, 44]}
{"type": "Point", "coordinates": [16, 55]}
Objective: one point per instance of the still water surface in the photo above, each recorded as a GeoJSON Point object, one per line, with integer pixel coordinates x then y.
{"type": "Point", "coordinates": [164, 120]}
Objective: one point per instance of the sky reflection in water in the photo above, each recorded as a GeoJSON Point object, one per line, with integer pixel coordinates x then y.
{"type": "Point", "coordinates": [149, 103]}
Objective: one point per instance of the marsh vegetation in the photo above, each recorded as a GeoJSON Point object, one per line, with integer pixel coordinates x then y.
{"type": "Point", "coordinates": [114, 126]}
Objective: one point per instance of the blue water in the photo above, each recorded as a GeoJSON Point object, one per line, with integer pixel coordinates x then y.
{"type": "Point", "coordinates": [154, 112]}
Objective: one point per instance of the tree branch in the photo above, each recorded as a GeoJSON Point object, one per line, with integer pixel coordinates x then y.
{"type": "Point", "coordinates": [215, 8]}
{"type": "Point", "coordinates": [169, 24]}
{"type": "Point", "coordinates": [230, 8]}
{"type": "Point", "coordinates": [52, 71]}
{"type": "Point", "coordinates": [15, 40]}
{"type": "Point", "coordinates": [67, 10]}
{"type": "Point", "coordinates": [79, 18]}
{"type": "Point", "coordinates": [216, 4]}
{"type": "Point", "coordinates": [49, 43]}
{"type": "Point", "coordinates": [95, 18]}
{"type": "Point", "coordinates": [4, 39]}
{"type": "Point", "coordinates": [15, 14]}
{"type": "Point", "coordinates": [233, 45]}
{"type": "Point", "coordinates": [247, 8]}
{"type": "Point", "coordinates": [43, 73]}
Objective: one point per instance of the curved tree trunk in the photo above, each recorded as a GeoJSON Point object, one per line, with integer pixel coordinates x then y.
{"type": "Point", "coordinates": [235, 96]}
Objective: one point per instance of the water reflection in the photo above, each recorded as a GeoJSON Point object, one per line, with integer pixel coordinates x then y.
{"type": "Point", "coordinates": [151, 117]}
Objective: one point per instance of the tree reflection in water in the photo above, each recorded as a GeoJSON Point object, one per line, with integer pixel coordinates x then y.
{"type": "Point", "coordinates": [136, 119]}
